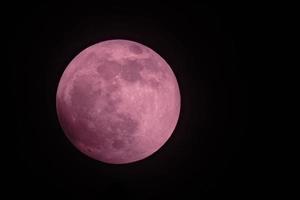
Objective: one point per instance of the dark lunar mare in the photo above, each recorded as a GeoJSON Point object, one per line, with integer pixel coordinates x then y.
{"type": "Point", "coordinates": [131, 70]}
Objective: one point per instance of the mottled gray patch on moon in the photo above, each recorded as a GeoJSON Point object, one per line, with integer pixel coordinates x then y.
{"type": "Point", "coordinates": [131, 70]}
{"type": "Point", "coordinates": [79, 125]}
{"type": "Point", "coordinates": [151, 65]}
{"type": "Point", "coordinates": [118, 144]}
{"type": "Point", "coordinates": [119, 128]}
{"type": "Point", "coordinates": [112, 88]}
{"type": "Point", "coordinates": [154, 83]}
{"type": "Point", "coordinates": [82, 98]}
{"type": "Point", "coordinates": [89, 60]}
{"type": "Point", "coordinates": [111, 104]}
{"type": "Point", "coordinates": [135, 49]}
{"type": "Point", "coordinates": [109, 69]}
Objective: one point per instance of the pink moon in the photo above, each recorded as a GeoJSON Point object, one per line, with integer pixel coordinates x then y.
{"type": "Point", "coordinates": [118, 101]}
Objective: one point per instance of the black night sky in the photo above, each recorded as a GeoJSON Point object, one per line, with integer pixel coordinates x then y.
{"type": "Point", "coordinates": [208, 151]}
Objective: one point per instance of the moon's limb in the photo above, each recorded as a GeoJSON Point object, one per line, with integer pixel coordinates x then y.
{"type": "Point", "coordinates": [118, 101]}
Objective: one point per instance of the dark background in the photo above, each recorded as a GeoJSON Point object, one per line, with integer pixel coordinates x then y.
{"type": "Point", "coordinates": [205, 45]}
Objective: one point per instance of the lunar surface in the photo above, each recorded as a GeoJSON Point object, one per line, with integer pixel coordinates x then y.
{"type": "Point", "coordinates": [118, 101]}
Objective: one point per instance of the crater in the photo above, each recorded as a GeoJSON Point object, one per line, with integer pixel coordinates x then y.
{"type": "Point", "coordinates": [135, 49]}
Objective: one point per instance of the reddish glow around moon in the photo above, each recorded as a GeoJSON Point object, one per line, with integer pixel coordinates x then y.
{"type": "Point", "coordinates": [118, 101]}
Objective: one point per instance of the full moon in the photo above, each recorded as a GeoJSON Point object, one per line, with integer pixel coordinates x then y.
{"type": "Point", "coordinates": [118, 101]}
